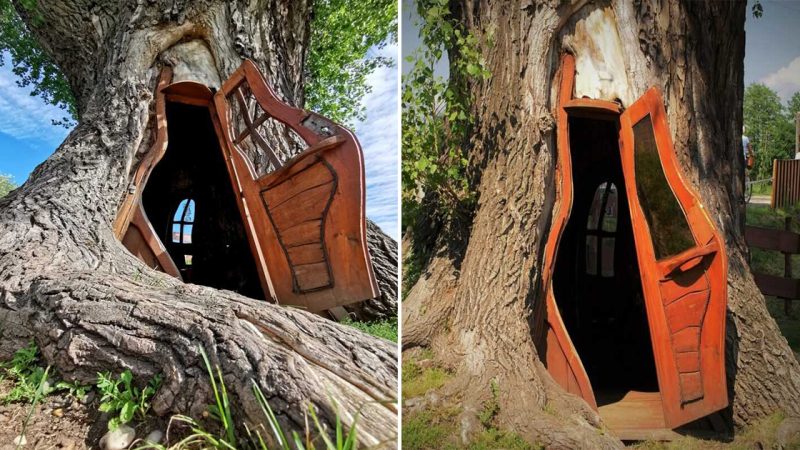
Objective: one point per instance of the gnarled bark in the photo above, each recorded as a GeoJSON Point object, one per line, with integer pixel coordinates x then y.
{"type": "Point", "coordinates": [692, 51]}
{"type": "Point", "coordinates": [91, 306]}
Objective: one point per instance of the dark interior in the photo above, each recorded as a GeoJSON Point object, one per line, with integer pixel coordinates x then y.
{"type": "Point", "coordinates": [596, 279]}
{"type": "Point", "coordinates": [208, 243]}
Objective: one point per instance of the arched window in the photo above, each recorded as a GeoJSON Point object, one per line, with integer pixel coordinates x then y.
{"type": "Point", "coordinates": [601, 228]}
{"type": "Point", "coordinates": [182, 224]}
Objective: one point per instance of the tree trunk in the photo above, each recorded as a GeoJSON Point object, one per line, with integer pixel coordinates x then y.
{"type": "Point", "coordinates": [91, 306]}
{"type": "Point", "coordinates": [478, 319]}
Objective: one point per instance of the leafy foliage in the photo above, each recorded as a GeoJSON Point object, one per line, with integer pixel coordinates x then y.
{"type": "Point", "coordinates": [6, 185]}
{"type": "Point", "coordinates": [121, 398]}
{"type": "Point", "coordinates": [30, 63]}
{"type": "Point", "coordinates": [436, 113]}
{"type": "Point", "coordinates": [342, 32]}
{"type": "Point", "coordinates": [769, 125]}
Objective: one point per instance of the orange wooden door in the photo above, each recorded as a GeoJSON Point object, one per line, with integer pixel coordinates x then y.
{"type": "Point", "coordinates": [302, 203]}
{"type": "Point", "coordinates": [682, 263]}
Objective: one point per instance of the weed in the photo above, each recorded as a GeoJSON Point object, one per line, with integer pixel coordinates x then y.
{"type": "Point", "coordinates": [74, 389]}
{"type": "Point", "coordinates": [124, 400]}
{"type": "Point", "coordinates": [27, 375]}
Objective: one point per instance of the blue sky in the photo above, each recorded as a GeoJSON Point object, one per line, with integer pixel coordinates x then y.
{"type": "Point", "coordinates": [27, 137]}
{"type": "Point", "coordinates": [772, 48]}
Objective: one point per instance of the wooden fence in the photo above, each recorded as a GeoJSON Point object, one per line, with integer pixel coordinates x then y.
{"type": "Point", "coordinates": [786, 182]}
{"type": "Point", "coordinates": [786, 242]}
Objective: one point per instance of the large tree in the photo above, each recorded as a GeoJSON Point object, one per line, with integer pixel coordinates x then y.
{"type": "Point", "coordinates": [473, 303]}
{"type": "Point", "coordinates": [69, 284]}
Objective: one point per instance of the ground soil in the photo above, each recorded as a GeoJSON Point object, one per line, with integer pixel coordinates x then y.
{"type": "Point", "coordinates": [60, 421]}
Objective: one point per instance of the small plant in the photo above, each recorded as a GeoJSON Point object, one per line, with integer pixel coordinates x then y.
{"type": "Point", "coordinates": [75, 389]}
{"type": "Point", "coordinates": [121, 398]}
{"type": "Point", "coordinates": [491, 407]}
{"type": "Point", "coordinates": [27, 375]}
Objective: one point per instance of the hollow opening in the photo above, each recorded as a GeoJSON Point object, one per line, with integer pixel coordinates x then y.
{"type": "Point", "coordinates": [192, 206]}
{"type": "Point", "coordinates": [596, 278]}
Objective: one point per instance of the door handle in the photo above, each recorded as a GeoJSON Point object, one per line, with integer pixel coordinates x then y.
{"type": "Point", "coordinates": [688, 259]}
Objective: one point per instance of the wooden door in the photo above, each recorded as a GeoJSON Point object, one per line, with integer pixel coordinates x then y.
{"type": "Point", "coordinates": [682, 264]}
{"type": "Point", "coordinates": [302, 203]}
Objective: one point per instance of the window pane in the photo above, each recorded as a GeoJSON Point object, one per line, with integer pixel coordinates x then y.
{"type": "Point", "coordinates": [668, 227]}
{"type": "Point", "coordinates": [176, 232]}
{"type": "Point", "coordinates": [607, 257]}
{"type": "Point", "coordinates": [179, 212]}
{"type": "Point", "coordinates": [591, 255]}
{"type": "Point", "coordinates": [609, 223]}
{"type": "Point", "coordinates": [187, 234]}
{"type": "Point", "coordinates": [189, 216]}
{"type": "Point", "coordinates": [597, 204]}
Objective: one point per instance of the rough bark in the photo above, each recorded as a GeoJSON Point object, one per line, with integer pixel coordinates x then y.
{"type": "Point", "coordinates": [383, 250]}
{"type": "Point", "coordinates": [66, 282]}
{"type": "Point", "coordinates": [693, 51]}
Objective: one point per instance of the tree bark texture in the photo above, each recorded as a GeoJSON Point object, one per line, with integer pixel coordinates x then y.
{"type": "Point", "coordinates": [478, 319]}
{"type": "Point", "coordinates": [66, 282]}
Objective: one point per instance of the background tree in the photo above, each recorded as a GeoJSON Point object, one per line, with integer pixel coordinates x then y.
{"type": "Point", "coordinates": [472, 304]}
{"type": "Point", "coordinates": [89, 304]}
{"type": "Point", "coordinates": [770, 127]}
{"type": "Point", "coordinates": [6, 185]}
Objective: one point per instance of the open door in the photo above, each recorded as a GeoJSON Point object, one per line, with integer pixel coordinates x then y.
{"type": "Point", "coordinates": [682, 264]}
{"type": "Point", "coordinates": [303, 205]}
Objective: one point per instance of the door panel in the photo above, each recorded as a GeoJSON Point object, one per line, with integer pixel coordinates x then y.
{"type": "Point", "coordinates": [682, 263]}
{"type": "Point", "coordinates": [301, 180]}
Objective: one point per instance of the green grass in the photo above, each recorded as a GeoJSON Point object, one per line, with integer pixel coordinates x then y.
{"type": "Point", "coordinates": [428, 430]}
{"type": "Point", "coordinates": [417, 380]}
{"type": "Point", "coordinates": [762, 189]}
{"type": "Point", "coordinates": [386, 329]}
{"type": "Point", "coordinates": [437, 427]}
{"type": "Point", "coordinates": [772, 262]}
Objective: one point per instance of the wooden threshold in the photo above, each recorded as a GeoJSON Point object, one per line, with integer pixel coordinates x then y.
{"type": "Point", "coordinates": [636, 416]}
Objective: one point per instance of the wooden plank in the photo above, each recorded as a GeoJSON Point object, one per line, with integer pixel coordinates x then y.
{"type": "Point", "coordinates": [687, 312]}
{"type": "Point", "coordinates": [639, 411]}
{"type": "Point", "coordinates": [306, 206]}
{"type": "Point", "coordinates": [778, 286]}
{"type": "Point", "coordinates": [772, 239]}
{"type": "Point", "coordinates": [306, 254]}
{"type": "Point", "coordinates": [314, 175]}
{"type": "Point", "coordinates": [312, 276]}
{"type": "Point", "coordinates": [304, 233]}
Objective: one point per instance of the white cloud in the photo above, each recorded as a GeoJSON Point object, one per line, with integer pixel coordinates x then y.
{"type": "Point", "coordinates": [27, 117]}
{"type": "Point", "coordinates": [378, 135]}
{"type": "Point", "coordinates": [786, 81]}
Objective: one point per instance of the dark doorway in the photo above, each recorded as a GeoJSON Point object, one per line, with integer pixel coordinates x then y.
{"type": "Point", "coordinates": [596, 279]}
{"type": "Point", "coordinates": [192, 207]}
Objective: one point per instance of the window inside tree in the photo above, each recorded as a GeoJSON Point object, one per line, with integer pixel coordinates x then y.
{"type": "Point", "coordinates": [668, 227]}
{"type": "Point", "coordinates": [601, 227]}
{"type": "Point", "coordinates": [182, 222]}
